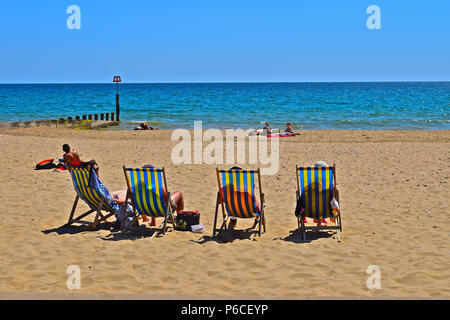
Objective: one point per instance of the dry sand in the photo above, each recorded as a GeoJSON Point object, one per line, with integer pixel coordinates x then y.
{"type": "Point", "coordinates": [395, 211]}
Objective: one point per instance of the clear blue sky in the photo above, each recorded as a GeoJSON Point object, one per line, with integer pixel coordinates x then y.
{"type": "Point", "coordinates": [224, 41]}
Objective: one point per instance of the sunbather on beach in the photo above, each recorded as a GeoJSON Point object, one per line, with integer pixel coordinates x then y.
{"type": "Point", "coordinates": [176, 201]}
{"type": "Point", "coordinates": [72, 158]}
{"type": "Point", "coordinates": [320, 222]}
{"type": "Point", "coordinates": [144, 126]}
{"type": "Point", "coordinates": [288, 128]}
{"type": "Point", "coordinates": [233, 220]}
{"type": "Point", "coordinates": [267, 128]}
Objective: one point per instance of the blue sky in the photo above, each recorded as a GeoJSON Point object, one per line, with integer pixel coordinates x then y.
{"type": "Point", "coordinates": [224, 41]}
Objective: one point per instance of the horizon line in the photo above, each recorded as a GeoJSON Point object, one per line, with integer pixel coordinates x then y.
{"type": "Point", "coordinates": [230, 82]}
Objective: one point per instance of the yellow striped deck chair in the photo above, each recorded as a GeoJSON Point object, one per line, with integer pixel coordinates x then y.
{"type": "Point", "coordinates": [237, 196]}
{"type": "Point", "coordinates": [91, 190]}
{"type": "Point", "coordinates": [146, 192]}
{"type": "Point", "coordinates": [316, 187]}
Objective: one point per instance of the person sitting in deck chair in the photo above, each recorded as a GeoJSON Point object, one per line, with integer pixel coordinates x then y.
{"type": "Point", "coordinates": [233, 220]}
{"type": "Point", "coordinates": [72, 158]}
{"type": "Point", "coordinates": [301, 206]}
{"type": "Point", "coordinates": [176, 201]}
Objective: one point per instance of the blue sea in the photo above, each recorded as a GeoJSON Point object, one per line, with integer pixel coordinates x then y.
{"type": "Point", "coordinates": [369, 105]}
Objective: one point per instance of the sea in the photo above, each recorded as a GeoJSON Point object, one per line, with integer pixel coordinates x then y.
{"type": "Point", "coordinates": [315, 105]}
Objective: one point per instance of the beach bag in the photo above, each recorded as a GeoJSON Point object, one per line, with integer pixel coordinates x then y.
{"type": "Point", "coordinates": [125, 211]}
{"type": "Point", "coordinates": [45, 164]}
{"type": "Point", "coordinates": [186, 219]}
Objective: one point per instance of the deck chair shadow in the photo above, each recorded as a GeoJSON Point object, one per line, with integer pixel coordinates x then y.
{"type": "Point", "coordinates": [147, 195]}
{"type": "Point", "coordinates": [91, 190]}
{"type": "Point", "coordinates": [237, 197]}
{"type": "Point", "coordinates": [316, 187]}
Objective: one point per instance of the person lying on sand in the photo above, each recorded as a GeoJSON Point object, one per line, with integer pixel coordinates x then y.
{"type": "Point", "coordinates": [74, 159]}
{"type": "Point", "coordinates": [144, 126]}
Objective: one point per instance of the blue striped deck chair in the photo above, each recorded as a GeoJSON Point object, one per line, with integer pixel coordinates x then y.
{"type": "Point", "coordinates": [316, 186]}
{"type": "Point", "coordinates": [91, 190]}
{"type": "Point", "coordinates": [146, 189]}
{"type": "Point", "coordinates": [237, 197]}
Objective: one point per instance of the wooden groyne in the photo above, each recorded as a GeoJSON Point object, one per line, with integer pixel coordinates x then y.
{"type": "Point", "coordinates": [91, 121]}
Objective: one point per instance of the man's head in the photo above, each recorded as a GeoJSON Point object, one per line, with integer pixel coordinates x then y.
{"type": "Point", "coordinates": [66, 148]}
{"type": "Point", "coordinates": [320, 164]}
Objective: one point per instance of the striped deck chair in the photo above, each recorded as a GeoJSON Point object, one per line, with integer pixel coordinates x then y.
{"type": "Point", "coordinates": [237, 197]}
{"type": "Point", "coordinates": [146, 188]}
{"type": "Point", "coordinates": [316, 186]}
{"type": "Point", "coordinates": [91, 190]}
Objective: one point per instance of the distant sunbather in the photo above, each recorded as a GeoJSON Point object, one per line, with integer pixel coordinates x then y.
{"type": "Point", "coordinates": [144, 126]}
{"type": "Point", "coordinates": [288, 128]}
{"type": "Point", "coordinates": [74, 159]}
{"type": "Point", "coordinates": [267, 128]}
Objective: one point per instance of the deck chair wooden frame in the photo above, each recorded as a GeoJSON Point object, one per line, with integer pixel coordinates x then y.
{"type": "Point", "coordinates": [99, 217]}
{"type": "Point", "coordinates": [300, 219]}
{"type": "Point", "coordinates": [261, 221]}
{"type": "Point", "coordinates": [168, 214]}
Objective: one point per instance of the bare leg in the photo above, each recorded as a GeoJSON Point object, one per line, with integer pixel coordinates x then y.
{"type": "Point", "coordinates": [177, 198]}
{"type": "Point", "coordinates": [147, 219]}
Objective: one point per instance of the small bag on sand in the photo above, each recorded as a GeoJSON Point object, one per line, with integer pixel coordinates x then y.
{"type": "Point", "coordinates": [186, 219]}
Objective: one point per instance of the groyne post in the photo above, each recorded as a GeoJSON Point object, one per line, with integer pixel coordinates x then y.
{"type": "Point", "coordinates": [117, 79]}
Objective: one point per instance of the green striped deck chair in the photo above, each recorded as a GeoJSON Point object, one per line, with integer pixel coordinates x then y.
{"type": "Point", "coordinates": [316, 187]}
{"type": "Point", "coordinates": [91, 190]}
{"type": "Point", "coordinates": [146, 189]}
{"type": "Point", "coordinates": [237, 197]}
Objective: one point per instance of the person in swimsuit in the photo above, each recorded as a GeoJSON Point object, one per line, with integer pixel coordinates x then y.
{"type": "Point", "coordinates": [71, 157]}
{"type": "Point", "coordinates": [144, 126]}
{"type": "Point", "coordinates": [288, 128]}
{"type": "Point", "coordinates": [267, 128]}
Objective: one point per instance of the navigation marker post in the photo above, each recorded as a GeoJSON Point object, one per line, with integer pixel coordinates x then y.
{"type": "Point", "coordinates": [117, 80]}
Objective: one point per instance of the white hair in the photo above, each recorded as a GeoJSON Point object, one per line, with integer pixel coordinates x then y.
{"type": "Point", "coordinates": [320, 164]}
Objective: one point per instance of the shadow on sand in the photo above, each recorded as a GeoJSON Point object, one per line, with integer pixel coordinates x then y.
{"type": "Point", "coordinates": [226, 236]}
{"type": "Point", "coordinates": [72, 229]}
{"type": "Point", "coordinates": [134, 233]}
{"type": "Point", "coordinates": [295, 236]}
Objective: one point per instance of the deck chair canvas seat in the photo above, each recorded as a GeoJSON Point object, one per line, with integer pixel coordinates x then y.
{"type": "Point", "coordinates": [316, 187]}
{"type": "Point", "coordinates": [237, 197]}
{"type": "Point", "coordinates": [146, 193]}
{"type": "Point", "coordinates": [91, 190]}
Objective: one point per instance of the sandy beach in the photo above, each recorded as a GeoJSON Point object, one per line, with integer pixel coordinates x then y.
{"type": "Point", "coordinates": [395, 214]}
